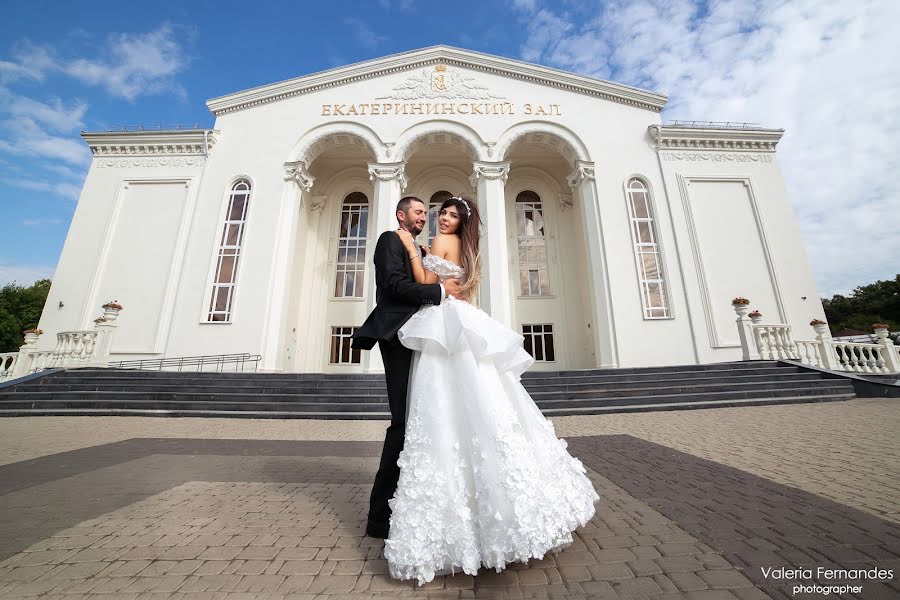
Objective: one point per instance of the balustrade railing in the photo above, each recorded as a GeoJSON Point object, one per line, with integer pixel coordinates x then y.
{"type": "Point", "coordinates": [73, 348]}
{"type": "Point", "coordinates": [773, 342]}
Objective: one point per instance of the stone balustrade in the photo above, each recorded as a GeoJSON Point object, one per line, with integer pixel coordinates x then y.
{"type": "Point", "coordinates": [776, 342]}
{"type": "Point", "coordinates": [82, 348]}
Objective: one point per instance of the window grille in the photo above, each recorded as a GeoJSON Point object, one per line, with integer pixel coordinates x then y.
{"type": "Point", "coordinates": [539, 342]}
{"type": "Point", "coordinates": [534, 272]}
{"type": "Point", "coordinates": [351, 252]}
{"type": "Point", "coordinates": [222, 298]}
{"type": "Point", "coordinates": [646, 249]}
{"type": "Point", "coordinates": [341, 352]}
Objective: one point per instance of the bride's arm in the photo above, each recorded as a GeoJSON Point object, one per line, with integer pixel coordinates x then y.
{"type": "Point", "coordinates": [420, 273]}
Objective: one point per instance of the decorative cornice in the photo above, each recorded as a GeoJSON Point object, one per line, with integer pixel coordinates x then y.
{"type": "Point", "coordinates": [387, 172]}
{"type": "Point", "coordinates": [106, 162]}
{"type": "Point", "coordinates": [669, 137]}
{"type": "Point", "coordinates": [182, 142]}
{"type": "Point", "coordinates": [763, 157]}
{"type": "Point", "coordinates": [489, 170]}
{"type": "Point", "coordinates": [584, 171]}
{"type": "Point", "coordinates": [296, 172]}
{"type": "Point", "coordinates": [446, 55]}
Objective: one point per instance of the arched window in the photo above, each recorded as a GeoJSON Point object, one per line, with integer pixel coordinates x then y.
{"type": "Point", "coordinates": [646, 249]}
{"type": "Point", "coordinates": [351, 256]}
{"type": "Point", "coordinates": [222, 297]}
{"type": "Point", "coordinates": [534, 273]}
{"type": "Point", "coordinates": [434, 207]}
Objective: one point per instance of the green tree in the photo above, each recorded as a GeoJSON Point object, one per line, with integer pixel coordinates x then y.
{"type": "Point", "coordinates": [877, 302]}
{"type": "Point", "coordinates": [20, 309]}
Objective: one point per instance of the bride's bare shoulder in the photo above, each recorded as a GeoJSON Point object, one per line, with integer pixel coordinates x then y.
{"type": "Point", "coordinates": [446, 246]}
{"type": "Point", "coordinates": [446, 241]}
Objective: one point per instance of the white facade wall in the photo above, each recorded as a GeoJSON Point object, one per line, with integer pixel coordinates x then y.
{"type": "Point", "coordinates": [149, 220]}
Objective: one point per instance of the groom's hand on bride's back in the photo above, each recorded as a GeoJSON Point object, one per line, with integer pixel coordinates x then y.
{"type": "Point", "coordinates": [451, 287]}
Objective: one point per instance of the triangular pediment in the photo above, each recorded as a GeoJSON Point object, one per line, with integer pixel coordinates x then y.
{"type": "Point", "coordinates": [420, 84]}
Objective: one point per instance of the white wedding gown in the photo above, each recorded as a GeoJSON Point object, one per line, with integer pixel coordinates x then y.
{"type": "Point", "coordinates": [484, 481]}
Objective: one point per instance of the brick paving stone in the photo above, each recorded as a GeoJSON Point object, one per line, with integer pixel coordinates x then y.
{"type": "Point", "coordinates": [301, 567]}
{"type": "Point", "coordinates": [724, 579]}
{"type": "Point", "coordinates": [296, 554]}
{"type": "Point", "coordinates": [220, 553]}
{"type": "Point", "coordinates": [490, 578]}
{"type": "Point", "coordinates": [674, 564]}
{"type": "Point", "coordinates": [687, 581]}
{"type": "Point", "coordinates": [259, 583]}
{"type": "Point", "coordinates": [348, 567]}
{"type": "Point", "coordinates": [574, 573]}
{"type": "Point", "coordinates": [575, 558]}
{"type": "Point", "coordinates": [643, 568]}
{"type": "Point", "coordinates": [332, 584]}
{"type": "Point", "coordinates": [636, 587]}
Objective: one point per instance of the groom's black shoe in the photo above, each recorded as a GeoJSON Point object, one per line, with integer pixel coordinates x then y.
{"type": "Point", "coordinates": [377, 530]}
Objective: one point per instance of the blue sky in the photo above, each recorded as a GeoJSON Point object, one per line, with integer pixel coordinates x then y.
{"type": "Point", "coordinates": [817, 69]}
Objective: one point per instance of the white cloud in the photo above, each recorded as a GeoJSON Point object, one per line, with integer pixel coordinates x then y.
{"type": "Point", "coordinates": [67, 190]}
{"type": "Point", "coordinates": [820, 70]}
{"type": "Point", "coordinates": [27, 137]}
{"type": "Point", "coordinates": [363, 33]}
{"type": "Point", "coordinates": [139, 64]}
{"type": "Point", "coordinates": [130, 65]}
{"type": "Point", "coordinates": [30, 62]}
{"type": "Point", "coordinates": [53, 114]}
{"type": "Point", "coordinates": [24, 274]}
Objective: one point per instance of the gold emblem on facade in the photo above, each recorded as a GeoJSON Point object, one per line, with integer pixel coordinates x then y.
{"type": "Point", "coordinates": [439, 81]}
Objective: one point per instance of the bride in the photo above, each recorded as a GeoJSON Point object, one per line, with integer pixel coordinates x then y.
{"type": "Point", "coordinates": [484, 481]}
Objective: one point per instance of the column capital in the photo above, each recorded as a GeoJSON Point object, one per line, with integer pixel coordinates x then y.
{"type": "Point", "coordinates": [388, 171]}
{"type": "Point", "coordinates": [583, 171]}
{"type": "Point", "coordinates": [296, 172]}
{"type": "Point", "coordinates": [490, 170]}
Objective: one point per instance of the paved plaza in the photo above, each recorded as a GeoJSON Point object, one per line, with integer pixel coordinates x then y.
{"type": "Point", "coordinates": [695, 505]}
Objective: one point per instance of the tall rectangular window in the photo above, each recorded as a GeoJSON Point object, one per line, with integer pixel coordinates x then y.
{"type": "Point", "coordinates": [222, 297]}
{"type": "Point", "coordinates": [653, 286]}
{"type": "Point", "coordinates": [539, 342]}
{"type": "Point", "coordinates": [534, 272]}
{"type": "Point", "coordinates": [341, 352]}
{"type": "Point", "coordinates": [351, 257]}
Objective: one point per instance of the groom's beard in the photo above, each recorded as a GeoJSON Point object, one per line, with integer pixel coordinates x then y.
{"type": "Point", "coordinates": [413, 227]}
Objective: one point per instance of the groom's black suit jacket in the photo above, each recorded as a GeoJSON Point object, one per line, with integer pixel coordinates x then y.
{"type": "Point", "coordinates": [397, 295]}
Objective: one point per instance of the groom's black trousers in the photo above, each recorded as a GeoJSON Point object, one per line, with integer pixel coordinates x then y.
{"type": "Point", "coordinates": [397, 360]}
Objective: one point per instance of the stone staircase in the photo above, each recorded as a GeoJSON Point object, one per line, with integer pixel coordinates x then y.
{"type": "Point", "coordinates": [78, 392]}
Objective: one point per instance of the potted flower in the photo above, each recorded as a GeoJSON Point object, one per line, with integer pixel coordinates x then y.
{"type": "Point", "coordinates": [755, 316]}
{"type": "Point", "coordinates": [820, 327]}
{"type": "Point", "coordinates": [881, 330]}
{"type": "Point", "coordinates": [741, 306]}
{"type": "Point", "coordinates": [111, 310]}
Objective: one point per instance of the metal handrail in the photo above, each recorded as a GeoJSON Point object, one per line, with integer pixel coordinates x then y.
{"type": "Point", "coordinates": [218, 361]}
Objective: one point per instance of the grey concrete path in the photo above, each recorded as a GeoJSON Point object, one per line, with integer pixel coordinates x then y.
{"type": "Point", "coordinates": [694, 505]}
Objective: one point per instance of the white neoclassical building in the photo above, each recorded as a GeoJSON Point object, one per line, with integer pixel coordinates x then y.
{"type": "Point", "coordinates": [610, 239]}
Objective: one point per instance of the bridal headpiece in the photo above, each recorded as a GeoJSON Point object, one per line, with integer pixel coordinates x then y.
{"type": "Point", "coordinates": [465, 203]}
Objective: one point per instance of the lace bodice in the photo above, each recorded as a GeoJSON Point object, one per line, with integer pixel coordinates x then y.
{"type": "Point", "coordinates": [443, 268]}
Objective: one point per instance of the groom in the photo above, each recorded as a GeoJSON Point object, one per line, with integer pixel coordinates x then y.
{"type": "Point", "coordinates": [397, 298]}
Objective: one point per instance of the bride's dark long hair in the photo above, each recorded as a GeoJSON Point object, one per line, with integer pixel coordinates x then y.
{"type": "Point", "coordinates": [469, 232]}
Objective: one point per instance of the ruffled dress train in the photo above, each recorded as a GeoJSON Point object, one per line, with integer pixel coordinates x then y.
{"type": "Point", "coordinates": [484, 481]}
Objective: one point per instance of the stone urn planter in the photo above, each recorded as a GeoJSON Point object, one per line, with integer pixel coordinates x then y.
{"type": "Point", "coordinates": [741, 306]}
{"type": "Point", "coordinates": [111, 311]}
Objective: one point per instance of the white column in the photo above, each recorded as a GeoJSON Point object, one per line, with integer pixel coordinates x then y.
{"type": "Point", "coordinates": [297, 181]}
{"type": "Point", "coordinates": [490, 181]}
{"type": "Point", "coordinates": [389, 181]}
{"type": "Point", "coordinates": [603, 330]}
